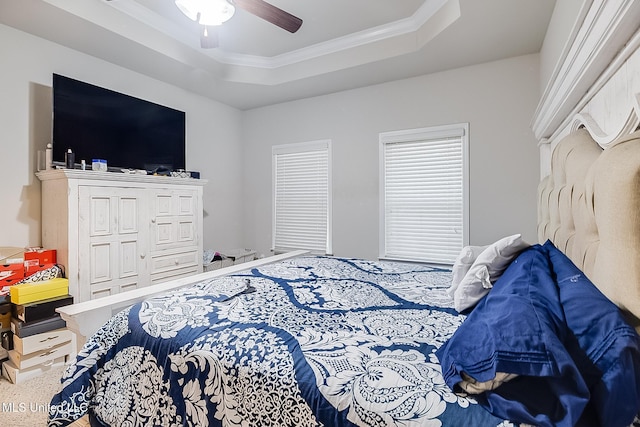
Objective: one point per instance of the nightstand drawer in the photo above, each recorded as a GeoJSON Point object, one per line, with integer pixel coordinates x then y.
{"type": "Point", "coordinates": [42, 341]}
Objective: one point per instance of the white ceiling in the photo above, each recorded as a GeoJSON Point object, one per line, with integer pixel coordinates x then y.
{"type": "Point", "coordinates": [342, 44]}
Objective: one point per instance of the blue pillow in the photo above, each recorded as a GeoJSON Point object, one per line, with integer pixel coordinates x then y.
{"type": "Point", "coordinates": [604, 346]}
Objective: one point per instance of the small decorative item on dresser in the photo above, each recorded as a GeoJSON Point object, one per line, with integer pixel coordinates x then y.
{"type": "Point", "coordinates": [99, 165]}
{"type": "Point", "coordinates": [70, 159]}
{"type": "Point", "coordinates": [48, 157]}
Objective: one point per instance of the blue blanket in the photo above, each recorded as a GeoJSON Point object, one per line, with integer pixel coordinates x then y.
{"type": "Point", "coordinates": [320, 342]}
{"type": "Point", "coordinates": [577, 360]}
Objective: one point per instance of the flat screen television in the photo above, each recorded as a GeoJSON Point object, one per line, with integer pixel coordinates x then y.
{"type": "Point", "coordinates": [128, 132]}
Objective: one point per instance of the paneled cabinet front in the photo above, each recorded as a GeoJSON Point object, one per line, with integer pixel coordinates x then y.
{"type": "Point", "coordinates": [174, 239]}
{"type": "Point", "coordinates": [116, 232]}
{"type": "Point", "coordinates": [111, 240]}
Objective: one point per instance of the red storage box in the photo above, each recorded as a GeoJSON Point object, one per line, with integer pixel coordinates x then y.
{"type": "Point", "coordinates": [41, 256]}
{"type": "Point", "coordinates": [11, 273]}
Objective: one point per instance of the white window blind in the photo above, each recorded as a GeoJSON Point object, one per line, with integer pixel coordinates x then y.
{"type": "Point", "coordinates": [302, 197]}
{"type": "Point", "coordinates": [424, 193]}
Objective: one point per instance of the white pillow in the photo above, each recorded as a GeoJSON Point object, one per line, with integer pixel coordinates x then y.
{"type": "Point", "coordinates": [462, 264]}
{"type": "Point", "coordinates": [486, 269]}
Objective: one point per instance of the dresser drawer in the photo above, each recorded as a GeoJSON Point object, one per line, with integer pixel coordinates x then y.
{"type": "Point", "coordinates": [42, 357]}
{"type": "Point", "coordinates": [173, 274]}
{"type": "Point", "coordinates": [42, 341]}
{"type": "Point", "coordinates": [166, 262]}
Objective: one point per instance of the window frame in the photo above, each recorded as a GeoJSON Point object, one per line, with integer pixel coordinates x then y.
{"type": "Point", "coordinates": [300, 148]}
{"type": "Point", "coordinates": [430, 133]}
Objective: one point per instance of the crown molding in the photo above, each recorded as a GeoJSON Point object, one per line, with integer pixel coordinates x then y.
{"type": "Point", "coordinates": [600, 46]}
{"type": "Point", "coordinates": [397, 29]}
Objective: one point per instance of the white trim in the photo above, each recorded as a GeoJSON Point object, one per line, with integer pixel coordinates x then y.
{"type": "Point", "coordinates": [605, 33]}
{"type": "Point", "coordinates": [395, 29]}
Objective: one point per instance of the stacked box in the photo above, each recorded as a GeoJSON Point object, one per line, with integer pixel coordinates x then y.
{"type": "Point", "coordinates": [32, 347]}
{"type": "Point", "coordinates": [5, 316]}
{"type": "Point", "coordinates": [11, 274]}
{"type": "Point", "coordinates": [39, 310]}
{"type": "Point", "coordinates": [16, 375]}
{"type": "Point", "coordinates": [25, 293]}
{"type": "Point", "coordinates": [40, 256]}
{"type": "Point", "coordinates": [23, 330]}
{"type": "Point", "coordinates": [5, 325]}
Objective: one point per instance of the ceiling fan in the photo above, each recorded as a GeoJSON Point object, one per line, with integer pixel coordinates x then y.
{"type": "Point", "coordinates": [212, 13]}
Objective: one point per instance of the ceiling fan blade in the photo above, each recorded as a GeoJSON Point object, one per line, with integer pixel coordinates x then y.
{"type": "Point", "coordinates": [209, 37]}
{"type": "Point", "coordinates": [270, 13]}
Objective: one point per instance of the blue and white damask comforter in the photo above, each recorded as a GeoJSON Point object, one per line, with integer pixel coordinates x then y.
{"type": "Point", "coordinates": [320, 342]}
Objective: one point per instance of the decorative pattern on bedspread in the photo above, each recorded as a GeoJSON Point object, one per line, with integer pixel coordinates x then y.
{"type": "Point", "coordinates": [321, 342]}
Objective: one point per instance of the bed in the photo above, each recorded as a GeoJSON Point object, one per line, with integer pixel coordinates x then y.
{"type": "Point", "coordinates": [515, 333]}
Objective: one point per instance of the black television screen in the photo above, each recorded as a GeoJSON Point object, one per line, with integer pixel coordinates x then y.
{"type": "Point", "coordinates": [128, 132]}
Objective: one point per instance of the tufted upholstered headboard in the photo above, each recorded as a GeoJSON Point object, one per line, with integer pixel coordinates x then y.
{"type": "Point", "coordinates": [587, 126]}
{"type": "Point", "coordinates": [589, 206]}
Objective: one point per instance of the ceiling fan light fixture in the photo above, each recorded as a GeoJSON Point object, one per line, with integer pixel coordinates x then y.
{"type": "Point", "coordinates": [207, 12]}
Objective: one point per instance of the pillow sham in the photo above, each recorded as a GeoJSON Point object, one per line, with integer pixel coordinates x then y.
{"type": "Point", "coordinates": [485, 270]}
{"type": "Point", "coordinates": [462, 264]}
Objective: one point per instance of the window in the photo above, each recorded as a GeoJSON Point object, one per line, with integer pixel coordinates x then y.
{"type": "Point", "coordinates": [424, 194]}
{"type": "Point", "coordinates": [302, 197]}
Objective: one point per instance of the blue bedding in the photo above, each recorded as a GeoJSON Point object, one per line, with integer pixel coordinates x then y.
{"type": "Point", "coordinates": [314, 341]}
{"type": "Point", "coordinates": [577, 360]}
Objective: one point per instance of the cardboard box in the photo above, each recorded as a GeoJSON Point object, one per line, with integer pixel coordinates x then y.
{"type": "Point", "coordinates": [5, 316]}
{"type": "Point", "coordinates": [11, 255]}
{"type": "Point", "coordinates": [42, 256]}
{"type": "Point", "coordinates": [25, 293]}
{"type": "Point", "coordinates": [11, 273]}
{"type": "Point", "coordinates": [40, 310]}
{"type": "Point", "coordinates": [241, 255]}
{"type": "Point", "coordinates": [24, 330]}
{"type": "Point", "coordinates": [42, 357]}
{"type": "Point", "coordinates": [42, 341]}
{"type": "Point", "coordinates": [6, 337]}
{"type": "Point", "coordinates": [16, 375]}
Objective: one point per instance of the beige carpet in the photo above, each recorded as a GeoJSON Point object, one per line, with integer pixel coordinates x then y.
{"type": "Point", "coordinates": [27, 404]}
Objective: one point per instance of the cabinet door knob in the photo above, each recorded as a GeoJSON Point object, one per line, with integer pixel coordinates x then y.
{"type": "Point", "coordinates": [153, 220]}
{"type": "Point", "coordinates": [142, 255]}
{"type": "Point", "coordinates": [177, 262]}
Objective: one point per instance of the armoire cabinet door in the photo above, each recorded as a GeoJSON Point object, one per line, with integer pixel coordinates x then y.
{"type": "Point", "coordinates": [111, 240]}
{"type": "Point", "coordinates": [173, 219]}
{"type": "Point", "coordinates": [174, 238]}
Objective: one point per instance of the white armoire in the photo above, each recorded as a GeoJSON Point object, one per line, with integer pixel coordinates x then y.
{"type": "Point", "coordinates": [114, 232]}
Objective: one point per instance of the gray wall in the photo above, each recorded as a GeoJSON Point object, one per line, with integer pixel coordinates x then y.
{"type": "Point", "coordinates": [558, 38]}
{"type": "Point", "coordinates": [498, 99]}
{"type": "Point", "coordinates": [232, 149]}
{"type": "Point", "coordinates": [213, 134]}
